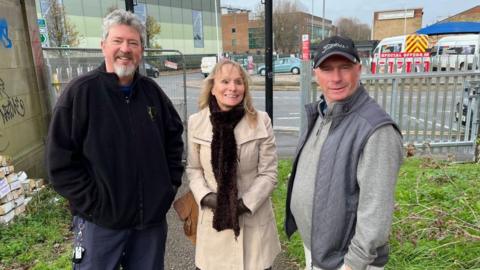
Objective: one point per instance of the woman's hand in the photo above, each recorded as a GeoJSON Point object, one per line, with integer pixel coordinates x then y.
{"type": "Point", "coordinates": [210, 200]}
{"type": "Point", "coordinates": [241, 208]}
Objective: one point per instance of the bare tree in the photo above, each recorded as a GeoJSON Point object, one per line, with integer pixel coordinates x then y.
{"type": "Point", "coordinates": [353, 28]}
{"type": "Point", "coordinates": [286, 25]}
{"type": "Point", "coordinates": [61, 31]}
{"type": "Point", "coordinates": [153, 29]}
{"type": "Point", "coordinates": [286, 18]}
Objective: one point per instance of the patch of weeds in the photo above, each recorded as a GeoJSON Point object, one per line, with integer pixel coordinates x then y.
{"type": "Point", "coordinates": [41, 234]}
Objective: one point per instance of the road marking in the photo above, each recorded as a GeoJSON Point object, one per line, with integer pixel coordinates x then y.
{"type": "Point", "coordinates": [431, 123]}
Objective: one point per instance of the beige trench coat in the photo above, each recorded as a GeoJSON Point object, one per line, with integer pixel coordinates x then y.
{"type": "Point", "coordinates": [258, 244]}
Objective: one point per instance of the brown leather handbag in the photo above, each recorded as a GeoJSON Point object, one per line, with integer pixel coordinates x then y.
{"type": "Point", "coordinates": [187, 210]}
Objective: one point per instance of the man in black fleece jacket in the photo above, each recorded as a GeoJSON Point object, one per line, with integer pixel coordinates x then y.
{"type": "Point", "coordinates": [114, 151]}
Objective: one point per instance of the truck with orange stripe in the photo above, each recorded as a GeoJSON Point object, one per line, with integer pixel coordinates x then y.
{"type": "Point", "coordinates": [407, 53]}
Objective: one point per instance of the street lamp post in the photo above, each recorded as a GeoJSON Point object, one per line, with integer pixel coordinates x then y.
{"type": "Point", "coordinates": [323, 21]}
{"type": "Point", "coordinates": [268, 58]}
{"type": "Point", "coordinates": [311, 22]}
{"type": "Point", "coordinates": [216, 27]}
{"type": "Point", "coordinates": [129, 5]}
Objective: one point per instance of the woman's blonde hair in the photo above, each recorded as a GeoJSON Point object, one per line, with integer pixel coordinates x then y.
{"type": "Point", "coordinates": [207, 86]}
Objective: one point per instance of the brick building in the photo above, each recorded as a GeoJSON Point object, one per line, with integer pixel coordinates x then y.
{"type": "Point", "coordinates": [243, 32]}
{"type": "Point", "coordinates": [469, 15]}
{"type": "Point", "coordinates": [390, 23]}
{"type": "Point", "coordinates": [235, 31]}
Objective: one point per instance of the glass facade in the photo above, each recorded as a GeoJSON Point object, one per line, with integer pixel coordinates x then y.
{"type": "Point", "coordinates": [180, 29]}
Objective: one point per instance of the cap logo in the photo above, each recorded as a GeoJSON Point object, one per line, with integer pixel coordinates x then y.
{"type": "Point", "coordinates": [333, 45]}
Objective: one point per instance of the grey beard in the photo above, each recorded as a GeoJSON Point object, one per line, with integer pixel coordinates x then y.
{"type": "Point", "coordinates": [124, 71]}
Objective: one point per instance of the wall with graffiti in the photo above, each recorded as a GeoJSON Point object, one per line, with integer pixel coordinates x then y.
{"type": "Point", "coordinates": [23, 117]}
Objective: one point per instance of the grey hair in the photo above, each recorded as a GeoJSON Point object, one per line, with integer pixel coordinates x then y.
{"type": "Point", "coordinates": [122, 17]}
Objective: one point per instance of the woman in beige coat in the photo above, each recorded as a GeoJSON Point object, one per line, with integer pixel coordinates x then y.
{"type": "Point", "coordinates": [232, 168]}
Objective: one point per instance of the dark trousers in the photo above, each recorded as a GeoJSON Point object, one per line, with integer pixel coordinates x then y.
{"type": "Point", "coordinates": [109, 249]}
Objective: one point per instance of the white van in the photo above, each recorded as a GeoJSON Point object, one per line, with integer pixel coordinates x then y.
{"type": "Point", "coordinates": [396, 51]}
{"type": "Point", "coordinates": [455, 52]}
{"type": "Point", "coordinates": [208, 62]}
{"type": "Point", "coordinates": [391, 45]}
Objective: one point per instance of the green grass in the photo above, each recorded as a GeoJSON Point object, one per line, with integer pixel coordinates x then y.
{"type": "Point", "coordinates": [294, 246]}
{"type": "Point", "coordinates": [436, 221]}
{"type": "Point", "coordinates": [39, 238]}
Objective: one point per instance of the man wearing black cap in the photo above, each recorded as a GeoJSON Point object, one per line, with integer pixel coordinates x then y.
{"type": "Point", "coordinates": [341, 190]}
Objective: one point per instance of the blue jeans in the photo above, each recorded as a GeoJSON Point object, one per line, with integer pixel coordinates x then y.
{"type": "Point", "coordinates": [109, 249]}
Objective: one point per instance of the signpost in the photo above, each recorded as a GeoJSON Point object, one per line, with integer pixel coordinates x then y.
{"type": "Point", "coordinates": [305, 48]}
{"type": "Point", "coordinates": [305, 82]}
{"type": "Point", "coordinates": [43, 30]}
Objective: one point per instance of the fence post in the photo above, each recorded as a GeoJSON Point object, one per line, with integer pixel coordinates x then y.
{"type": "Point", "coordinates": [476, 122]}
{"type": "Point", "coordinates": [305, 92]}
{"type": "Point", "coordinates": [394, 98]}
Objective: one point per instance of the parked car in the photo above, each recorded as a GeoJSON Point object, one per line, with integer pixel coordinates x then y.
{"type": "Point", "coordinates": [151, 70]}
{"type": "Point", "coordinates": [207, 64]}
{"type": "Point", "coordinates": [283, 65]}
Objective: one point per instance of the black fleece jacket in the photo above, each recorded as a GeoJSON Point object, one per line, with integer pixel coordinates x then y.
{"type": "Point", "coordinates": [117, 159]}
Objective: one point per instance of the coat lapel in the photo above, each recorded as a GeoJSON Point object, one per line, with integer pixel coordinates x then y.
{"type": "Point", "coordinates": [245, 133]}
{"type": "Point", "coordinates": [202, 132]}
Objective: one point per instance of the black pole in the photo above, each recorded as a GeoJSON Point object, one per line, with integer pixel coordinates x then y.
{"type": "Point", "coordinates": [268, 59]}
{"type": "Point", "coordinates": [129, 5]}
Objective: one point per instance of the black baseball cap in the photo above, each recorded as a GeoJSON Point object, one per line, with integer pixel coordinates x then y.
{"type": "Point", "coordinates": [336, 45]}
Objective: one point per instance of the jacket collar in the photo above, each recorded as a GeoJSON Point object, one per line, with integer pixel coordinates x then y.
{"type": "Point", "coordinates": [243, 131]}
{"type": "Point", "coordinates": [338, 110]}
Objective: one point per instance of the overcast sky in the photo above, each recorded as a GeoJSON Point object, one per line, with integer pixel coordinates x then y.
{"type": "Point", "coordinates": [433, 10]}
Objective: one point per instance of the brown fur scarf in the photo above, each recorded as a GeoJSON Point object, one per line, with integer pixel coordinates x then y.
{"type": "Point", "coordinates": [224, 164]}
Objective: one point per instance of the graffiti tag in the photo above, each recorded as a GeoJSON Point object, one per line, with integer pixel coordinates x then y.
{"type": "Point", "coordinates": [12, 107]}
{"type": "Point", "coordinates": [6, 42]}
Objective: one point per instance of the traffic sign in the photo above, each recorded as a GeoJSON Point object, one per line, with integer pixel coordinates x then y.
{"type": "Point", "coordinates": [41, 23]}
{"type": "Point", "coordinates": [42, 28]}
{"type": "Point", "coordinates": [43, 38]}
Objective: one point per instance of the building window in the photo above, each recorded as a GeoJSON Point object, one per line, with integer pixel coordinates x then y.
{"type": "Point", "coordinates": [234, 42]}
{"type": "Point", "coordinates": [256, 38]}
{"type": "Point", "coordinates": [234, 30]}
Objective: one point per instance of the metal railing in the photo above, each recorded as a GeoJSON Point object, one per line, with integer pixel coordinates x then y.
{"type": "Point", "coordinates": [166, 67]}
{"type": "Point", "coordinates": [435, 110]}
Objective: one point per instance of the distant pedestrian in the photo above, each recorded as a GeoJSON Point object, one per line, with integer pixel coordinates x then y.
{"type": "Point", "coordinates": [232, 168]}
{"type": "Point", "coordinates": [341, 191]}
{"type": "Point", "coordinates": [114, 151]}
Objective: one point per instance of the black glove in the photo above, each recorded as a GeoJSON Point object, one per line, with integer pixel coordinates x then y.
{"type": "Point", "coordinates": [210, 200]}
{"type": "Point", "coordinates": [241, 208]}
